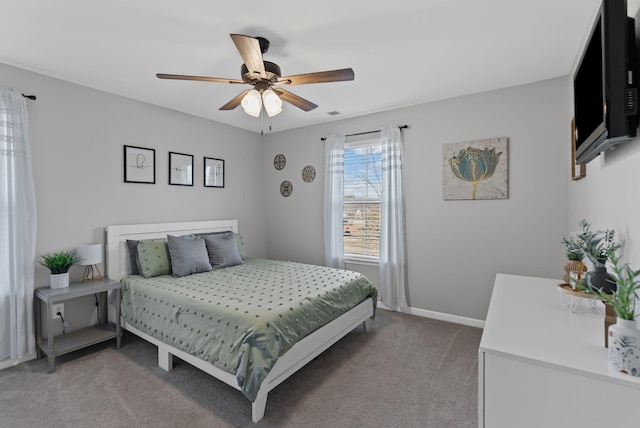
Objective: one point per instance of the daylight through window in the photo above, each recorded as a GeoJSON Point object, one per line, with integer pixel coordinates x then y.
{"type": "Point", "coordinates": [362, 199]}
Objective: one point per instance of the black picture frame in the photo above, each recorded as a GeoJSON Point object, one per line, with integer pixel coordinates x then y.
{"type": "Point", "coordinates": [213, 172]}
{"type": "Point", "coordinates": [180, 169]}
{"type": "Point", "coordinates": [139, 164]}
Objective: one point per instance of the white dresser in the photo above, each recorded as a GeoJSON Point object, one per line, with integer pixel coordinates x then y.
{"type": "Point", "coordinates": [539, 365]}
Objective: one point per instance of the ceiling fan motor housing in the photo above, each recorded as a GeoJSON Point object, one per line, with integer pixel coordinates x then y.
{"type": "Point", "coordinates": [271, 69]}
{"type": "Point", "coordinates": [264, 44]}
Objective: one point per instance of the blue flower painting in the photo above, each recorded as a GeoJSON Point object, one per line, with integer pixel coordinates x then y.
{"type": "Point", "coordinates": [475, 170]}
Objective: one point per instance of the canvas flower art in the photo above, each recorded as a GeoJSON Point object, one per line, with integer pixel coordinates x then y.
{"type": "Point", "coordinates": [475, 170]}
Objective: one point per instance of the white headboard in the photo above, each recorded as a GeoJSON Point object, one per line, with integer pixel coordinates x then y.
{"type": "Point", "coordinates": [118, 264]}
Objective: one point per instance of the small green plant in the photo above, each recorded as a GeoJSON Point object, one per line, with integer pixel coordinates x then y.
{"type": "Point", "coordinates": [59, 262]}
{"type": "Point", "coordinates": [623, 300]}
{"type": "Point", "coordinates": [575, 248]}
{"type": "Point", "coordinates": [599, 246]}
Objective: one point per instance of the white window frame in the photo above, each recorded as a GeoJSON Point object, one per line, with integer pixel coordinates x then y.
{"type": "Point", "coordinates": [362, 259]}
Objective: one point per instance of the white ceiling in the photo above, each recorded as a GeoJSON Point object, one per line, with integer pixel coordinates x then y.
{"type": "Point", "coordinates": [403, 52]}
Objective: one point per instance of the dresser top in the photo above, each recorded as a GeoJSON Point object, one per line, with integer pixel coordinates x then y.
{"type": "Point", "coordinates": [527, 320]}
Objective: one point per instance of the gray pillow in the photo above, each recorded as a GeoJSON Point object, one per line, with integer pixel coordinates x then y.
{"type": "Point", "coordinates": [223, 250]}
{"type": "Point", "coordinates": [132, 246]}
{"type": "Point", "coordinates": [188, 256]}
{"type": "Point", "coordinates": [239, 240]}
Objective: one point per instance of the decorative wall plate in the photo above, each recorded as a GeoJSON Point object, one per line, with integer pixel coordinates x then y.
{"type": "Point", "coordinates": [286, 188]}
{"type": "Point", "coordinates": [308, 174]}
{"type": "Point", "coordinates": [279, 162]}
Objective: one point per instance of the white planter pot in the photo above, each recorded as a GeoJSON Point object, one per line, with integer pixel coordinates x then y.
{"type": "Point", "coordinates": [59, 280]}
{"type": "Point", "coordinates": [624, 347]}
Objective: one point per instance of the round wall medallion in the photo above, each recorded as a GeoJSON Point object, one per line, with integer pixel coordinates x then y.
{"type": "Point", "coordinates": [286, 188]}
{"type": "Point", "coordinates": [308, 174]}
{"type": "Point", "coordinates": [279, 162]}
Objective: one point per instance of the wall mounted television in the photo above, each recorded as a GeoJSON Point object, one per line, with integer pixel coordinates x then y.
{"type": "Point", "coordinates": [605, 84]}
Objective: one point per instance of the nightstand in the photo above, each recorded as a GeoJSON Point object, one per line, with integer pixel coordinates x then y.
{"type": "Point", "coordinates": [61, 344]}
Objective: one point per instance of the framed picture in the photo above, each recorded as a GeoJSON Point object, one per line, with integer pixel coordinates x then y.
{"type": "Point", "coordinates": [213, 172]}
{"type": "Point", "coordinates": [476, 169]}
{"type": "Point", "coordinates": [578, 170]}
{"type": "Point", "coordinates": [180, 169]}
{"type": "Point", "coordinates": [139, 165]}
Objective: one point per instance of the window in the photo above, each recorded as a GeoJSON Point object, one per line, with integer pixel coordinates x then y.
{"type": "Point", "coordinates": [362, 199]}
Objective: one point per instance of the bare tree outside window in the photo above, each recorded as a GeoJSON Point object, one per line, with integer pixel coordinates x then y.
{"type": "Point", "coordinates": [362, 200]}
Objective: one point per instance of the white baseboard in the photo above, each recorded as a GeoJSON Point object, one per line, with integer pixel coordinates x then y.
{"type": "Point", "coordinates": [5, 364]}
{"type": "Point", "coordinates": [472, 322]}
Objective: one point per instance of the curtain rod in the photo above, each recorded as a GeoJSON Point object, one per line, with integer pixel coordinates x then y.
{"type": "Point", "coordinates": [367, 132]}
{"type": "Point", "coordinates": [31, 97]}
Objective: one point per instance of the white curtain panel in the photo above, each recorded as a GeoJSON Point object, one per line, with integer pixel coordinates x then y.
{"type": "Point", "coordinates": [17, 228]}
{"type": "Point", "coordinates": [333, 202]}
{"type": "Point", "coordinates": [392, 231]}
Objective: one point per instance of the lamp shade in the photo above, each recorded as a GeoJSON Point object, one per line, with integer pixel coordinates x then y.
{"type": "Point", "coordinates": [89, 254]}
{"type": "Point", "coordinates": [272, 102]}
{"type": "Point", "coordinates": [252, 103]}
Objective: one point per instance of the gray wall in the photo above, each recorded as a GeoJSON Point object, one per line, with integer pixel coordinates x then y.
{"type": "Point", "coordinates": [455, 248]}
{"type": "Point", "coordinates": [608, 197]}
{"type": "Point", "coordinates": [77, 137]}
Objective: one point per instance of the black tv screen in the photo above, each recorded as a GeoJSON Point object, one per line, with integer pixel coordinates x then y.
{"type": "Point", "coordinates": [604, 84]}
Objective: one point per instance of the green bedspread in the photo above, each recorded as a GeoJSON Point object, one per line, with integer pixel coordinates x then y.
{"type": "Point", "coordinates": [242, 318]}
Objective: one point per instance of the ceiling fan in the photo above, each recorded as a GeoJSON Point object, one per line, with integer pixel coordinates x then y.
{"type": "Point", "coordinates": [266, 79]}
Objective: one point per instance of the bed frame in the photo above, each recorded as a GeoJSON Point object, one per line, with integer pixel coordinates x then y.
{"type": "Point", "coordinates": [118, 266]}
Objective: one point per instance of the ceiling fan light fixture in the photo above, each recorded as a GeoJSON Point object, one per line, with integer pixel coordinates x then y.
{"type": "Point", "coordinates": [252, 103]}
{"type": "Point", "coordinates": [272, 102]}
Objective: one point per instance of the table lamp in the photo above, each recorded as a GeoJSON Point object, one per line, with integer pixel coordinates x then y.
{"type": "Point", "coordinates": [90, 255]}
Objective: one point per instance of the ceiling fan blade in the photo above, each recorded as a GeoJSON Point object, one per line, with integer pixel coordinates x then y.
{"type": "Point", "coordinates": [235, 101]}
{"type": "Point", "coordinates": [249, 48]}
{"type": "Point", "coordinates": [341, 75]}
{"type": "Point", "coordinates": [200, 78]}
{"type": "Point", "coordinates": [297, 101]}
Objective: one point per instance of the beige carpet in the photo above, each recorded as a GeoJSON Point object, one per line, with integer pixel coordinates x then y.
{"type": "Point", "coordinates": [405, 372]}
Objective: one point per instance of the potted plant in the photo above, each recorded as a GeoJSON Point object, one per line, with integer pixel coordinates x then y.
{"type": "Point", "coordinates": [59, 264]}
{"type": "Point", "coordinates": [574, 268]}
{"type": "Point", "coordinates": [599, 246]}
{"type": "Point", "coordinates": [624, 336]}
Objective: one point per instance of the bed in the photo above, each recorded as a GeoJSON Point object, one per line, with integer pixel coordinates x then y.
{"type": "Point", "coordinates": [279, 316]}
